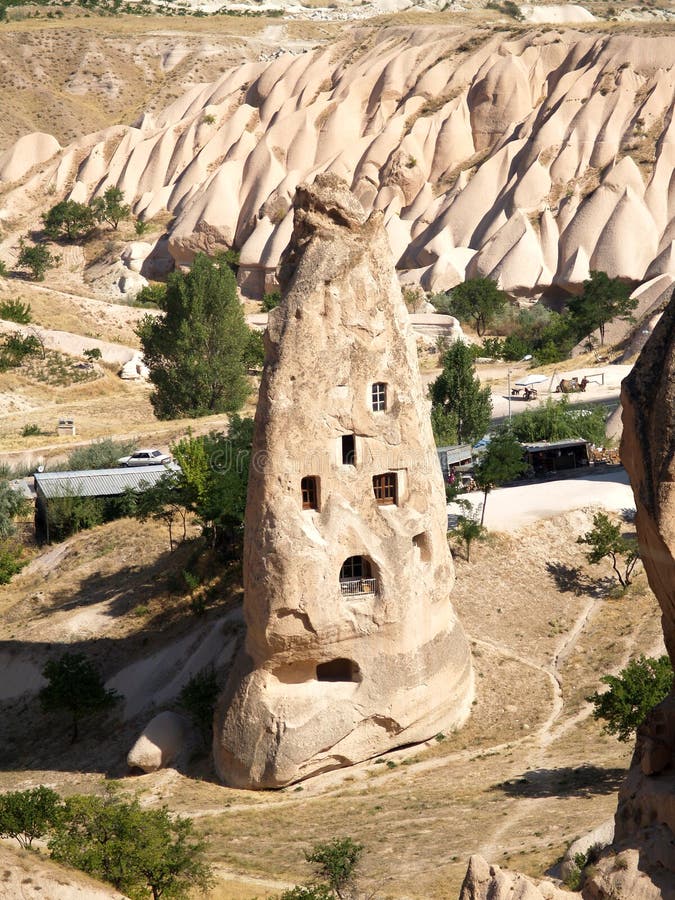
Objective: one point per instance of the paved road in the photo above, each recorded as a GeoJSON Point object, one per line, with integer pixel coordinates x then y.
{"type": "Point", "coordinates": [511, 508]}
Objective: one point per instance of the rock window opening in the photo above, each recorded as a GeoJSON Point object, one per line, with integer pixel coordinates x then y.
{"type": "Point", "coordinates": [379, 396]}
{"type": "Point", "coordinates": [421, 541]}
{"type": "Point", "coordinates": [309, 487]}
{"type": "Point", "coordinates": [385, 488]}
{"type": "Point", "coordinates": [356, 577]}
{"type": "Point", "coordinates": [337, 670]}
{"type": "Point", "coordinates": [348, 450]}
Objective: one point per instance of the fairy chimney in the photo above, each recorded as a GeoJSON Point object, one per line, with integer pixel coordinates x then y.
{"type": "Point", "coordinates": [352, 646]}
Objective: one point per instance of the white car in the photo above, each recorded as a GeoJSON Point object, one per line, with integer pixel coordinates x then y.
{"type": "Point", "coordinates": [145, 458]}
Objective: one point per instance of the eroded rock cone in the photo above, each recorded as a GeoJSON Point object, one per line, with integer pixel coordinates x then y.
{"type": "Point", "coordinates": [645, 819]}
{"type": "Point", "coordinates": [352, 646]}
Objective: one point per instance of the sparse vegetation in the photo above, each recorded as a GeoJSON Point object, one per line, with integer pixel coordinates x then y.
{"type": "Point", "coordinates": [15, 311]}
{"type": "Point", "coordinates": [198, 698]}
{"type": "Point", "coordinates": [607, 542]}
{"type": "Point", "coordinates": [74, 685]}
{"type": "Point", "coordinates": [502, 461]}
{"type": "Point", "coordinates": [335, 863]}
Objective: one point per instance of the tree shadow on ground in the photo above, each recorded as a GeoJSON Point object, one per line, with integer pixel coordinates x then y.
{"type": "Point", "coordinates": [572, 580]}
{"type": "Point", "coordinates": [577, 781]}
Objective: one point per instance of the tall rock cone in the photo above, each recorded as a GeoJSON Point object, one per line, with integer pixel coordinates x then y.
{"type": "Point", "coordinates": [352, 645]}
{"type": "Point", "coordinates": [645, 818]}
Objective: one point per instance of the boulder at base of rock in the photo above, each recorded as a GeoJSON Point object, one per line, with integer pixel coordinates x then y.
{"type": "Point", "coordinates": [485, 882]}
{"type": "Point", "coordinates": [160, 743]}
{"type": "Point", "coordinates": [599, 838]}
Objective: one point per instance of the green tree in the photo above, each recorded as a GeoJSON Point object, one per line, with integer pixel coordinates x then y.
{"type": "Point", "coordinates": [140, 852]}
{"type": "Point", "coordinates": [68, 219]}
{"type": "Point", "coordinates": [502, 461]}
{"type": "Point", "coordinates": [111, 207]}
{"type": "Point", "coordinates": [164, 501]}
{"type": "Point", "coordinates": [607, 542]}
{"type": "Point", "coordinates": [12, 560]}
{"type": "Point", "coordinates": [12, 505]}
{"type": "Point", "coordinates": [477, 299]}
{"type": "Point", "coordinates": [74, 685]}
{"type": "Point", "coordinates": [457, 396]}
{"type": "Point", "coordinates": [632, 693]}
{"type": "Point", "coordinates": [27, 815]}
{"type": "Point", "coordinates": [214, 480]}
{"type": "Point", "coordinates": [335, 863]}
{"type": "Point", "coordinates": [211, 485]}
{"type": "Point", "coordinates": [560, 420]}
{"type": "Point", "coordinates": [602, 300]}
{"type": "Point", "coordinates": [199, 698]}
{"type": "Point", "coordinates": [37, 258]}
{"type": "Point", "coordinates": [196, 351]}
{"type": "Point", "coordinates": [469, 530]}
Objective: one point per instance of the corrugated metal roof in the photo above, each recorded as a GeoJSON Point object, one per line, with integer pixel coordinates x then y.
{"type": "Point", "coordinates": [555, 445]}
{"type": "Point", "coordinates": [96, 482]}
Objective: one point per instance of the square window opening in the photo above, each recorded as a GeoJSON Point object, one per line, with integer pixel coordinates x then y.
{"type": "Point", "coordinates": [385, 489]}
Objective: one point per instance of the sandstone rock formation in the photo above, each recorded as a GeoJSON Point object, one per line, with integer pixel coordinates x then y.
{"type": "Point", "coordinates": [162, 740]}
{"type": "Point", "coordinates": [530, 159]}
{"type": "Point", "coordinates": [352, 646]}
{"type": "Point", "coordinates": [486, 882]}
{"type": "Point", "coordinates": [645, 818]}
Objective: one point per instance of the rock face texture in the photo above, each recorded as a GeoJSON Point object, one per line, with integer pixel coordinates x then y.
{"type": "Point", "coordinates": [352, 646]}
{"type": "Point", "coordinates": [486, 882]}
{"type": "Point", "coordinates": [645, 818]}
{"type": "Point", "coordinates": [530, 159]}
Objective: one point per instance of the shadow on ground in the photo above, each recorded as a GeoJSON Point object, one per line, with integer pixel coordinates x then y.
{"type": "Point", "coordinates": [578, 781]}
{"type": "Point", "coordinates": [572, 580]}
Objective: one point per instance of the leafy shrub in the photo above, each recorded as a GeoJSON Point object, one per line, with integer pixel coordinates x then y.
{"type": "Point", "coordinates": [198, 698]}
{"type": "Point", "coordinates": [15, 348]}
{"type": "Point", "coordinates": [15, 311]}
{"type": "Point", "coordinates": [30, 430]}
{"type": "Point", "coordinates": [102, 454]}
{"type": "Point", "coordinates": [152, 295]}
{"type": "Point", "coordinates": [271, 300]}
{"type": "Point", "coordinates": [75, 685]}
{"type": "Point", "coordinates": [92, 354]}
{"type": "Point", "coordinates": [11, 561]}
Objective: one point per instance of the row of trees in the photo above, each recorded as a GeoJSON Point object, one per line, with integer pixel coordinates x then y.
{"type": "Point", "coordinates": [73, 221]}
{"type": "Point", "coordinates": [551, 336]}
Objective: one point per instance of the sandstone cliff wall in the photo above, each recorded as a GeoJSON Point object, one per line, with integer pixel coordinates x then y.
{"type": "Point", "coordinates": [531, 158]}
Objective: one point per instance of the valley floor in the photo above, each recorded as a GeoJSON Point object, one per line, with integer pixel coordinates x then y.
{"type": "Point", "coordinates": [530, 771]}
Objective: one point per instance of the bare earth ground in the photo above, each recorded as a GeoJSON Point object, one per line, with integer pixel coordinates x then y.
{"type": "Point", "coordinates": [529, 772]}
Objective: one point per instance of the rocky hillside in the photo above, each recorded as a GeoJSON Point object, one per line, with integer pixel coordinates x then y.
{"type": "Point", "coordinates": [530, 156]}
